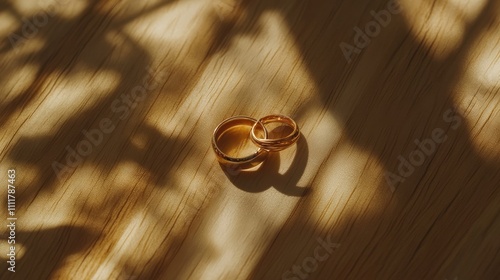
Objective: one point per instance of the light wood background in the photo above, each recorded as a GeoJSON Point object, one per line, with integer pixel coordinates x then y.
{"type": "Point", "coordinates": [149, 201]}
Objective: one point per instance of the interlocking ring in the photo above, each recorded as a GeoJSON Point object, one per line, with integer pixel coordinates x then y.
{"type": "Point", "coordinates": [277, 144]}
{"type": "Point", "coordinates": [245, 162]}
{"type": "Point", "coordinates": [264, 144]}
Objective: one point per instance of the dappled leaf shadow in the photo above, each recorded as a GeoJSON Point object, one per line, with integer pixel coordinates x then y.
{"type": "Point", "coordinates": [46, 250]}
{"type": "Point", "coordinates": [421, 91]}
{"type": "Point", "coordinates": [418, 104]}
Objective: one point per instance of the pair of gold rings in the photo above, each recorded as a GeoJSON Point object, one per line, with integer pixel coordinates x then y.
{"type": "Point", "coordinates": [261, 140]}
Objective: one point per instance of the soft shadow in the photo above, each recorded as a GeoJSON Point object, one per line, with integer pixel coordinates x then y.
{"type": "Point", "coordinates": [267, 175]}
{"type": "Point", "coordinates": [46, 250]}
{"type": "Point", "coordinates": [403, 99]}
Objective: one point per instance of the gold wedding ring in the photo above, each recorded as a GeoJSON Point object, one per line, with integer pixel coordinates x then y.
{"type": "Point", "coordinates": [263, 143]}
{"type": "Point", "coordinates": [276, 144]}
{"type": "Point", "coordinates": [245, 162]}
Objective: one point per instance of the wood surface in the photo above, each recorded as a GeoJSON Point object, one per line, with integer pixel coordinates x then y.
{"type": "Point", "coordinates": [150, 201]}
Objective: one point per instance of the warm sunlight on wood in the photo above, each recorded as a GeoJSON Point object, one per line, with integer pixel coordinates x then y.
{"type": "Point", "coordinates": [477, 95]}
{"type": "Point", "coordinates": [107, 117]}
{"type": "Point", "coordinates": [441, 24]}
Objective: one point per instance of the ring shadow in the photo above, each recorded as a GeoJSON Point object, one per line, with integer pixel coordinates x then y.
{"type": "Point", "coordinates": [267, 175]}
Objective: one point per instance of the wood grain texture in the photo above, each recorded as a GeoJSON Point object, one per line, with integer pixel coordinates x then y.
{"type": "Point", "coordinates": [137, 87]}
